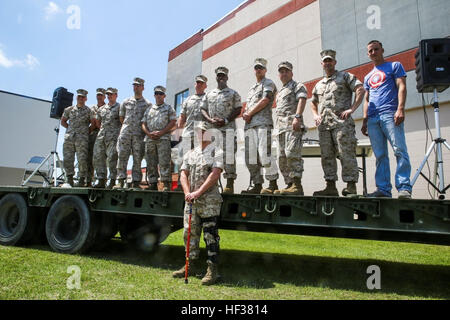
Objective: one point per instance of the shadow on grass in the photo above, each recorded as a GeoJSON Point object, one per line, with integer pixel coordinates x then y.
{"type": "Point", "coordinates": [262, 270]}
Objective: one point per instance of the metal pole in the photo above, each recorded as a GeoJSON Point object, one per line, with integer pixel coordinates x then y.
{"type": "Point", "coordinates": [438, 145]}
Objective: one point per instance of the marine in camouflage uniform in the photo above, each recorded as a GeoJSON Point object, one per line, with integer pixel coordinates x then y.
{"type": "Point", "coordinates": [333, 97]}
{"type": "Point", "coordinates": [190, 117]}
{"type": "Point", "coordinates": [131, 137]}
{"type": "Point", "coordinates": [93, 135]}
{"type": "Point", "coordinates": [199, 165]}
{"type": "Point", "coordinates": [289, 113]}
{"type": "Point", "coordinates": [157, 122]}
{"type": "Point", "coordinates": [76, 138]}
{"type": "Point", "coordinates": [105, 149]}
{"type": "Point", "coordinates": [220, 108]}
{"type": "Point", "coordinates": [258, 131]}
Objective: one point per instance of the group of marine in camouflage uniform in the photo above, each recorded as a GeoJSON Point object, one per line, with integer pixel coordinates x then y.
{"type": "Point", "coordinates": [115, 131]}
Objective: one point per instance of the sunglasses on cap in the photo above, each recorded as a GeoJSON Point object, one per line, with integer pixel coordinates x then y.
{"type": "Point", "coordinates": [258, 67]}
{"type": "Point", "coordinates": [159, 93]}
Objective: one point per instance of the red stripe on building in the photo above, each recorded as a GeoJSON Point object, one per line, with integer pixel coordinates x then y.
{"type": "Point", "coordinates": [406, 58]}
{"type": "Point", "coordinates": [256, 26]}
{"type": "Point", "coordinates": [186, 45]}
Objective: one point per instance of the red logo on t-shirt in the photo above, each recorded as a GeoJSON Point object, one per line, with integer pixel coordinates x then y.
{"type": "Point", "coordinates": [377, 79]}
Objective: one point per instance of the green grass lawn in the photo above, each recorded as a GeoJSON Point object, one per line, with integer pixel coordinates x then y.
{"type": "Point", "coordinates": [253, 266]}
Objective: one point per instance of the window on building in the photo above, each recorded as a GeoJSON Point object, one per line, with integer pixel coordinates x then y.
{"type": "Point", "coordinates": [179, 99]}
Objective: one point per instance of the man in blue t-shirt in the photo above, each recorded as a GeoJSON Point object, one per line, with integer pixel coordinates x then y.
{"type": "Point", "coordinates": [384, 116]}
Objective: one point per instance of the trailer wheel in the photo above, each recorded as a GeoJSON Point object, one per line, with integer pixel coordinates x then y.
{"type": "Point", "coordinates": [70, 227]}
{"type": "Point", "coordinates": [17, 222]}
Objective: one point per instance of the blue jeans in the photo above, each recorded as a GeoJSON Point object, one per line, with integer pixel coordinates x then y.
{"type": "Point", "coordinates": [381, 129]}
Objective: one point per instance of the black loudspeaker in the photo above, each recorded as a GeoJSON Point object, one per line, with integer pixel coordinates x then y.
{"type": "Point", "coordinates": [61, 100]}
{"type": "Point", "coordinates": [433, 65]}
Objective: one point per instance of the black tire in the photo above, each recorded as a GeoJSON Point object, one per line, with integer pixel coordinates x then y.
{"type": "Point", "coordinates": [18, 222]}
{"type": "Point", "coordinates": [70, 226]}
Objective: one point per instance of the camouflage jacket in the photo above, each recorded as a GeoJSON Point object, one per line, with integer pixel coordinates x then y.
{"type": "Point", "coordinates": [199, 164]}
{"type": "Point", "coordinates": [334, 95]}
{"type": "Point", "coordinates": [191, 109]}
{"type": "Point", "coordinates": [287, 102]}
{"type": "Point", "coordinates": [94, 110]}
{"type": "Point", "coordinates": [133, 110]}
{"type": "Point", "coordinates": [264, 89]}
{"type": "Point", "coordinates": [157, 118]}
{"type": "Point", "coordinates": [110, 123]}
{"type": "Point", "coordinates": [221, 103]}
{"type": "Point", "coordinates": [79, 121]}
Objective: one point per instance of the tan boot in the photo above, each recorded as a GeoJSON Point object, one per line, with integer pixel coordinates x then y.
{"type": "Point", "coordinates": [100, 184]}
{"type": "Point", "coordinates": [271, 189]}
{"type": "Point", "coordinates": [70, 180]}
{"type": "Point", "coordinates": [212, 274]}
{"type": "Point", "coordinates": [329, 191]}
{"type": "Point", "coordinates": [229, 189]}
{"type": "Point", "coordinates": [278, 192]}
{"type": "Point", "coordinates": [295, 189]}
{"type": "Point", "coordinates": [350, 190]}
{"type": "Point", "coordinates": [255, 190]}
{"type": "Point", "coordinates": [81, 183]}
{"type": "Point", "coordinates": [120, 184]}
{"type": "Point", "coordinates": [166, 187]}
{"type": "Point", "coordinates": [193, 270]}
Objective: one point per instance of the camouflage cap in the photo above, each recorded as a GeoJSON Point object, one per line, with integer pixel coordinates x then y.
{"type": "Point", "coordinates": [82, 93]}
{"type": "Point", "coordinates": [201, 78]}
{"type": "Point", "coordinates": [328, 54]}
{"type": "Point", "coordinates": [222, 70]}
{"type": "Point", "coordinates": [138, 81]}
{"type": "Point", "coordinates": [112, 90]}
{"type": "Point", "coordinates": [261, 62]}
{"type": "Point", "coordinates": [285, 64]}
{"type": "Point", "coordinates": [101, 91]}
{"type": "Point", "coordinates": [160, 89]}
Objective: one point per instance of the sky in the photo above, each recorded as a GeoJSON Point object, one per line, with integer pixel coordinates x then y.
{"type": "Point", "coordinates": [95, 43]}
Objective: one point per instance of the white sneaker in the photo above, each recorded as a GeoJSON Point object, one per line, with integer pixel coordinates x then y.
{"type": "Point", "coordinates": [404, 194]}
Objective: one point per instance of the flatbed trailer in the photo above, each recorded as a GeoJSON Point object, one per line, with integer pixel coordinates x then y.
{"type": "Point", "coordinates": [78, 219]}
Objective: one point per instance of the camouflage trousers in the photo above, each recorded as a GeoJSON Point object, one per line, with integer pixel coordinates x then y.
{"type": "Point", "coordinates": [158, 152]}
{"type": "Point", "coordinates": [258, 154]}
{"type": "Point", "coordinates": [127, 145]}
{"type": "Point", "coordinates": [92, 139]}
{"type": "Point", "coordinates": [290, 155]}
{"type": "Point", "coordinates": [229, 152]}
{"type": "Point", "coordinates": [204, 216]}
{"type": "Point", "coordinates": [76, 145]}
{"type": "Point", "coordinates": [105, 156]}
{"type": "Point", "coordinates": [339, 143]}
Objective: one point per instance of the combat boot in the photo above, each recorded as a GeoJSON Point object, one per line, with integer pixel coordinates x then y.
{"type": "Point", "coordinates": [100, 184]}
{"type": "Point", "coordinates": [120, 184]}
{"type": "Point", "coordinates": [166, 187]}
{"type": "Point", "coordinates": [81, 183]}
{"type": "Point", "coordinates": [255, 190]}
{"type": "Point", "coordinates": [295, 189]}
{"type": "Point", "coordinates": [350, 190]}
{"type": "Point", "coordinates": [111, 184]}
{"type": "Point", "coordinates": [329, 191]}
{"type": "Point", "coordinates": [193, 270]}
{"type": "Point", "coordinates": [271, 189]}
{"type": "Point", "coordinates": [70, 180]}
{"type": "Point", "coordinates": [229, 189]}
{"type": "Point", "coordinates": [153, 187]}
{"type": "Point", "coordinates": [136, 185]}
{"type": "Point", "coordinates": [278, 192]}
{"type": "Point", "coordinates": [89, 182]}
{"type": "Point", "coordinates": [212, 274]}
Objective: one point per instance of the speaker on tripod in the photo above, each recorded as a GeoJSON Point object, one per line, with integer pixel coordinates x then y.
{"type": "Point", "coordinates": [61, 100]}
{"type": "Point", "coordinates": [433, 75]}
{"type": "Point", "coordinates": [433, 65]}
